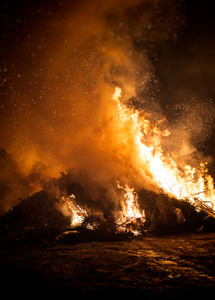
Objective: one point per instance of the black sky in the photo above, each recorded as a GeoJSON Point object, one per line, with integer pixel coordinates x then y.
{"type": "Point", "coordinates": [191, 61]}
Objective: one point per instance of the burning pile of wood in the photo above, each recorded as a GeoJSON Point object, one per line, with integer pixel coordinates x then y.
{"type": "Point", "coordinates": [66, 213]}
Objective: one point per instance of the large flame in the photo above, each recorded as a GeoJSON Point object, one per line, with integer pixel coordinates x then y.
{"type": "Point", "coordinates": [181, 181]}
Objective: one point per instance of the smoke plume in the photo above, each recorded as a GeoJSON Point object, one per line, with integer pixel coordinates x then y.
{"type": "Point", "coordinates": [66, 62]}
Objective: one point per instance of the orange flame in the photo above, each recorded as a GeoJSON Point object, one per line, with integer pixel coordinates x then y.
{"type": "Point", "coordinates": [129, 204]}
{"type": "Point", "coordinates": [181, 181]}
{"type": "Point", "coordinates": [70, 208]}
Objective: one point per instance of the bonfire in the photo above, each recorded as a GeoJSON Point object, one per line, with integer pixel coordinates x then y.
{"type": "Point", "coordinates": [181, 181]}
{"type": "Point", "coordinates": [177, 189]}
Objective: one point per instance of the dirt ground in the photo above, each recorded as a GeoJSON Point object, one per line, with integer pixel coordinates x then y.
{"type": "Point", "coordinates": [148, 267]}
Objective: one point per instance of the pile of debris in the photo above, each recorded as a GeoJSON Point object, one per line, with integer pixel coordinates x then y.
{"type": "Point", "coordinates": [166, 215]}
{"type": "Point", "coordinates": [39, 219]}
{"type": "Point", "coordinates": [34, 219]}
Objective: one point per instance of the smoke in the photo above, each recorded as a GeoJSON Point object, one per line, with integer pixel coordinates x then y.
{"type": "Point", "coordinates": [68, 59]}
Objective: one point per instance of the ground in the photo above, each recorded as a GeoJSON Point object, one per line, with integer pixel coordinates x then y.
{"type": "Point", "coordinates": [147, 267]}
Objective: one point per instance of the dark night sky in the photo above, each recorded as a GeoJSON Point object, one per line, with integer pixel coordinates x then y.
{"type": "Point", "coordinates": [191, 61]}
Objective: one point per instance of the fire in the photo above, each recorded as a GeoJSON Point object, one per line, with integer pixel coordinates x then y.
{"type": "Point", "coordinates": [131, 212]}
{"type": "Point", "coordinates": [181, 181]}
{"type": "Point", "coordinates": [139, 143]}
{"type": "Point", "coordinates": [130, 207]}
{"type": "Point", "coordinates": [70, 208]}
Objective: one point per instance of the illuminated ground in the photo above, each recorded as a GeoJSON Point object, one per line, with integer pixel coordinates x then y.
{"type": "Point", "coordinates": [171, 266]}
